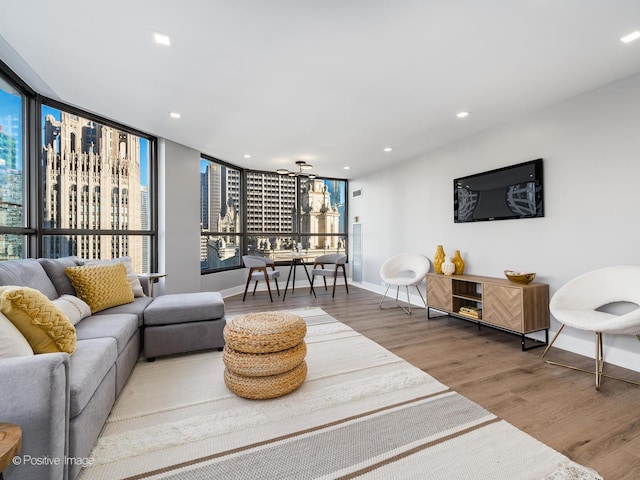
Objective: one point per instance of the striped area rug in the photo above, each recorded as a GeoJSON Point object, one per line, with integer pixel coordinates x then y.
{"type": "Point", "coordinates": [362, 412]}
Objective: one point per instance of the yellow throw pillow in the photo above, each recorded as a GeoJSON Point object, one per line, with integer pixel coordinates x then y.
{"type": "Point", "coordinates": [45, 327]}
{"type": "Point", "coordinates": [101, 286]}
{"type": "Point", "coordinates": [132, 276]}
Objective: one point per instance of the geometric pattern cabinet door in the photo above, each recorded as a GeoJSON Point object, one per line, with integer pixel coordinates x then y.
{"type": "Point", "coordinates": [521, 308]}
{"type": "Point", "coordinates": [503, 306]}
{"type": "Point", "coordinates": [439, 293]}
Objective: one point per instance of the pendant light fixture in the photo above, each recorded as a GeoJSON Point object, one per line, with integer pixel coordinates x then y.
{"type": "Point", "coordinates": [302, 165]}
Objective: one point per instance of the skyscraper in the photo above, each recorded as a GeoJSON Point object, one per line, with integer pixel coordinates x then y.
{"type": "Point", "coordinates": [145, 223]}
{"type": "Point", "coordinates": [11, 198]}
{"type": "Point", "coordinates": [92, 181]}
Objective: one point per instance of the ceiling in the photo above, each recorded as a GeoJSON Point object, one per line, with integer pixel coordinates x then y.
{"type": "Point", "coordinates": [332, 82]}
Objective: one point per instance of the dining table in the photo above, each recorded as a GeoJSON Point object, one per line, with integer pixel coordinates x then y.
{"type": "Point", "coordinates": [295, 259]}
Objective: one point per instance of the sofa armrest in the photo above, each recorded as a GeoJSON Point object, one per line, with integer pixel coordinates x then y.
{"type": "Point", "coordinates": [35, 396]}
{"type": "Point", "coordinates": [145, 282]}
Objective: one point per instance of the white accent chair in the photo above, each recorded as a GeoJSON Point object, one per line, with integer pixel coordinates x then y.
{"type": "Point", "coordinates": [404, 270]}
{"type": "Point", "coordinates": [578, 304]}
{"type": "Point", "coordinates": [260, 268]}
{"type": "Point", "coordinates": [337, 262]}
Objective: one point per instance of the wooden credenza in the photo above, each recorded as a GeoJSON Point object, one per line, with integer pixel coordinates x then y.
{"type": "Point", "coordinates": [509, 306]}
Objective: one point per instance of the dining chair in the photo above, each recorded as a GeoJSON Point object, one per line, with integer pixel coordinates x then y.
{"type": "Point", "coordinates": [334, 263]}
{"type": "Point", "coordinates": [260, 268]}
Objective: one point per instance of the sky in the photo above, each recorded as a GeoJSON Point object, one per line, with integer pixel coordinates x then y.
{"type": "Point", "coordinates": [10, 105]}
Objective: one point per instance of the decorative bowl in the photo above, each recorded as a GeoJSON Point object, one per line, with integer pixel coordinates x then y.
{"type": "Point", "coordinates": [520, 277]}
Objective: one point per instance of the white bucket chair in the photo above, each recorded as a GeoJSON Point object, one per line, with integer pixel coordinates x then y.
{"type": "Point", "coordinates": [578, 304]}
{"type": "Point", "coordinates": [260, 268]}
{"type": "Point", "coordinates": [404, 270]}
{"type": "Point", "coordinates": [329, 265]}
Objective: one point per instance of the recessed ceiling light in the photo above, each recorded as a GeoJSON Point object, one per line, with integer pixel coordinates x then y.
{"type": "Point", "coordinates": [388, 149]}
{"type": "Point", "coordinates": [346, 168]}
{"type": "Point", "coordinates": [162, 39]}
{"type": "Point", "coordinates": [463, 114]}
{"type": "Point", "coordinates": [631, 37]}
{"type": "Point", "coordinates": [246, 155]}
{"type": "Point", "coordinates": [175, 115]}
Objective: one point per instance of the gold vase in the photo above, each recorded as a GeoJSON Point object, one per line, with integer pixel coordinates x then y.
{"type": "Point", "coordinates": [458, 262]}
{"type": "Point", "coordinates": [438, 258]}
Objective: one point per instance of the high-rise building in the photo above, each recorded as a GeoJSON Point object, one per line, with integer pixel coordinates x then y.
{"type": "Point", "coordinates": [11, 188]}
{"type": "Point", "coordinates": [145, 223]}
{"type": "Point", "coordinates": [271, 204]}
{"type": "Point", "coordinates": [92, 181]}
{"type": "Point", "coordinates": [320, 216]}
{"type": "Point", "coordinates": [10, 145]}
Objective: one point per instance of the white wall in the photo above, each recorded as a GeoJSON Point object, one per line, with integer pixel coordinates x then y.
{"type": "Point", "coordinates": [179, 217]}
{"type": "Point", "coordinates": [591, 150]}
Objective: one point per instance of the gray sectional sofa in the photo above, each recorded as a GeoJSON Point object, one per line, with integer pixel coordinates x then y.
{"type": "Point", "coordinates": [62, 401]}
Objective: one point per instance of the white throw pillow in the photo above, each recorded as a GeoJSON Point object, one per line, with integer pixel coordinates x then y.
{"type": "Point", "coordinates": [12, 343]}
{"type": "Point", "coordinates": [132, 277]}
{"type": "Point", "coordinates": [73, 307]}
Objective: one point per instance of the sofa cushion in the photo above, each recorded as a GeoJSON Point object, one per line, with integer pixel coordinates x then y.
{"type": "Point", "coordinates": [12, 343]}
{"type": "Point", "coordinates": [73, 307]}
{"type": "Point", "coordinates": [55, 271]}
{"type": "Point", "coordinates": [137, 308]}
{"type": "Point", "coordinates": [121, 327]}
{"type": "Point", "coordinates": [27, 273]}
{"type": "Point", "coordinates": [101, 286]}
{"type": "Point", "coordinates": [132, 276]}
{"type": "Point", "coordinates": [45, 326]}
{"type": "Point", "coordinates": [184, 307]}
{"type": "Point", "coordinates": [87, 368]}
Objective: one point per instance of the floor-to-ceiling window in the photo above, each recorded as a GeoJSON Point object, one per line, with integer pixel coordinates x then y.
{"type": "Point", "coordinates": [96, 180]}
{"type": "Point", "coordinates": [14, 231]}
{"type": "Point", "coordinates": [267, 214]}
{"type": "Point", "coordinates": [220, 215]}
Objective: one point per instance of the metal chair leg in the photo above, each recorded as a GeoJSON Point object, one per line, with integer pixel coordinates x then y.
{"type": "Point", "coordinates": [406, 309]}
{"type": "Point", "coordinates": [408, 300]}
{"type": "Point", "coordinates": [599, 360]}
{"type": "Point", "coordinates": [383, 297]}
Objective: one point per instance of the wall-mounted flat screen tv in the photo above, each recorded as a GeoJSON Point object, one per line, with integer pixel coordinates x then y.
{"type": "Point", "coordinates": [515, 191]}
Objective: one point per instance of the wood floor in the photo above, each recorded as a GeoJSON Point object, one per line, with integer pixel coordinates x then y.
{"type": "Point", "coordinates": [558, 406]}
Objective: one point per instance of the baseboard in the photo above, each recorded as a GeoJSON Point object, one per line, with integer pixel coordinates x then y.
{"type": "Point", "coordinates": [414, 298]}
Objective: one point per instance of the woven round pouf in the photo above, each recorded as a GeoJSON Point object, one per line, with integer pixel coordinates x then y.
{"type": "Point", "coordinates": [271, 386]}
{"type": "Point", "coordinates": [264, 354]}
{"type": "Point", "coordinates": [263, 364]}
{"type": "Point", "coordinates": [264, 332]}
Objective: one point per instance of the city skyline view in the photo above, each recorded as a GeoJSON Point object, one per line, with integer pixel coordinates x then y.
{"type": "Point", "coordinates": [282, 212]}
